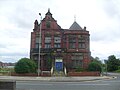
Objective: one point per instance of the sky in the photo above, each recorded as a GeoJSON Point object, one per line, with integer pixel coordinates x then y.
{"type": "Point", "coordinates": [101, 17]}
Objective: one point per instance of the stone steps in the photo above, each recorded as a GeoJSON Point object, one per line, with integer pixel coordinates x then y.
{"type": "Point", "coordinates": [58, 74]}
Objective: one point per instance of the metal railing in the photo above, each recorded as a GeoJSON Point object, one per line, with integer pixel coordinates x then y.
{"type": "Point", "coordinates": [51, 70]}
{"type": "Point", "coordinates": [65, 71]}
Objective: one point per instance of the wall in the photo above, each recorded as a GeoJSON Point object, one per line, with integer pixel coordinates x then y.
{"type": "Point", "coordinates": [31, 74]}
{"type": "Point", "coordinates": [83, 73]}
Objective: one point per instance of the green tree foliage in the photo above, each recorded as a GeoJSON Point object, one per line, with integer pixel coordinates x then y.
{"type": "Point", "coordinates": [79, 69]}
{"type": "Point", "coordinates": [118, 67]}
{"type": "Point", "coordinates": [25, 65]}
{"type": "Point", "coordinates": [118, 71]}
{"type": "Point", "coordinates": [49, 63]}
{"type": "Point", "coordinates": [113, 63]}
{"type": "Point", "coordinates": [94, 66]}
{"type": "Point", "coordinates": [96, 59]}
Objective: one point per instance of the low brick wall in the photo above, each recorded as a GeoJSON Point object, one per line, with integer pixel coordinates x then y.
{"type": "Point", "coordinates": [83, 73]}
{"type": "Point", "coordinates": [31, 74]}
{"type": "Point", "coordinates": [7, 85]}
{"type": "Point", "coordinates": [26, 74]}
{"type": "Point", "coordinates": [46, 74]}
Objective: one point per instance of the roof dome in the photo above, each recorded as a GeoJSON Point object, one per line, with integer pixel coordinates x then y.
{"type": "Point", "coordinates": [75, 26]}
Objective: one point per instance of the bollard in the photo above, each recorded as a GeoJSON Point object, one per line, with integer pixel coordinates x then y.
{"type": "Point", "coordinates": [7, 85]}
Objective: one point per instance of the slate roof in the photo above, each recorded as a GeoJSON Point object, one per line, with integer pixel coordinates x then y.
{"type": "Point", "coordinates": [75, 26]}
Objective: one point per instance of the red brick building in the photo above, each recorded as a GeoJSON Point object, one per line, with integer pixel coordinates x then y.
{"type": "Point", "coordinates": [60, 48]}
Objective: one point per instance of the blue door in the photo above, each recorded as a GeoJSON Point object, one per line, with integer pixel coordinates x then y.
{"type": "Point", "coordinates": [59, 65]}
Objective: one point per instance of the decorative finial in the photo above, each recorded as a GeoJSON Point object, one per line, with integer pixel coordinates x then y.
{"type": "Point", "coordinates": [48, 13]}
{"type": "Point", "coordinates": [74, 18]}
{"type": "Point", "coordinates": [48, 9]}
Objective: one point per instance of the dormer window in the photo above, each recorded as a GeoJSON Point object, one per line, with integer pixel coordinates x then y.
{"type": "Point", "coordinates": [48, 24]}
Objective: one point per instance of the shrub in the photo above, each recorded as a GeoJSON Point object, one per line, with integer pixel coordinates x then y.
{"type": "Point", "coordinates": [118, 67]}
{"type": "Point", "coordinates": [117, 71]}
{"type": "Point", "coordinates": [79, 69]}
{"type": "Point", "coordinates": [25, 65]}
{"type": "Point", "coordinates": [94, 66]}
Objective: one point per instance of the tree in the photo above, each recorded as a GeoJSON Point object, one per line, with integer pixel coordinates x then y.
{"type": "Point", "coordinates": [113, 63]}
{"type": "Point", "coordinates": [25, 65]}
{"type": "Point", "coordinates": [94, 66]}
{"type": "Point", "coordinates": [96, 59]}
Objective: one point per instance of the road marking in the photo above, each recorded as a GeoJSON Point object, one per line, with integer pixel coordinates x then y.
{"type": "Point", "coordinates": [35, 84]}
{"type": "Point", "coordinates": [90, 84]}
{"type": "Point", "coordinates": [111, 81]}
{"type": "Point", "coordinates": [64, 84]}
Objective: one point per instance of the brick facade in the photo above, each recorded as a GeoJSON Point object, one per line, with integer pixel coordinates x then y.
{"type": "Point", "coordinates": [71, 45]}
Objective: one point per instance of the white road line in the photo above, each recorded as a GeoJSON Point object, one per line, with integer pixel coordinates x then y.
{"type": "Point", "coordinates": [76, 84]}
{"type": "Point", "coordinates": [89, 84]}
{"type": "Point", "coordinates": [35, 84]}
{"type": "Point", "coordinates": [112, 81]}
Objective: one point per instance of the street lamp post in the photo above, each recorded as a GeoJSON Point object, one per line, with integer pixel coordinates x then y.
{"type": "Point", "coordinates": [39, 45]}
{"type": "Point", "coordinates": [106, 66]}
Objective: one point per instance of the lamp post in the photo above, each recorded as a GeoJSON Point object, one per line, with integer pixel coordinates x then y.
{"type": "Point", "coordinates": [39, 45]}
{"type": "Point", "coordinates": [106, 66]}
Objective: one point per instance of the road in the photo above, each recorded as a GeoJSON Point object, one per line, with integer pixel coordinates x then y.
{"type": "Point", "coordinates": [113, 84]}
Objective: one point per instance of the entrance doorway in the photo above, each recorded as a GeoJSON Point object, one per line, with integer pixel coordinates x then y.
{"type": "Point", "coordinates": [59, 64]}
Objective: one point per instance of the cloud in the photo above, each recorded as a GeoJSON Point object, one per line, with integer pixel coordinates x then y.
{"type": "Point", "coordinates": [2, 46]}
{"type": "Point", "coordinates": [101, 17]}
{"type": "Point", "coordinates": [23, 18]}
{"type": "Point", "coordinates": [108, 26]}
{"type": "Point", "coordinates": [112, 7]}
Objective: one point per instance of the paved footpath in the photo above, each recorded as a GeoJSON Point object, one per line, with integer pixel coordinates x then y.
{"type": "Point", "coordinates": [54, 79]}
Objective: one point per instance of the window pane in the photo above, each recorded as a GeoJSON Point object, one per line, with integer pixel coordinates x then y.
{"type": "Point", "coordinates": [47, 39]}
{"type": "Point", "coordinates": [81, 40]}
{"type": "Point", "coordinates": [77, 57]}
{"type": "Point", "coordinates": [77, 63]}
{"type": "Point", "coordinates": [72, 39]}
{"type": "Point", "coordinates": [77, 54]}
{"type": "Point", "coordinates": [71, 45]}
{"type": "Point", "coordinates": [37, 45]}
{"type": "Point", "coordinates": [47, 45]}
{"type": "Point", "coordinates": [48, 24]}
{"type": "Point", "coordinates": [37, 39]}
{"type": "Point", "coordinates": [57, 45]}
{"type": "Point", "coordinates": [57, 39]}
{"type": "Point", "coordinates": [81, 45]}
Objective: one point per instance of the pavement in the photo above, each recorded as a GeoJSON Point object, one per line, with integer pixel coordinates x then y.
{"type": "Point", "coordinates": [55, 79]}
